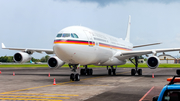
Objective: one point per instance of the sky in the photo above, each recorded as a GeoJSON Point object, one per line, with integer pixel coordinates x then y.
{"type": "Point", "coordinates": [35, 23]}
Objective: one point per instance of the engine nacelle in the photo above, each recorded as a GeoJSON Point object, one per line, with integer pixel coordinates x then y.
{"type": "Point", "coordinates": [55, 62]}
{"type": "Point", "coordinates": [153, 62]}
{"type": "Point", "coordinates": [21, 57]}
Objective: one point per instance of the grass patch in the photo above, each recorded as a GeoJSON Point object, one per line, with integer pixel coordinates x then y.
{"type": "Point", "coordinates": [22, 65]}
{"type": "Point", "coordinates": [128, 65]}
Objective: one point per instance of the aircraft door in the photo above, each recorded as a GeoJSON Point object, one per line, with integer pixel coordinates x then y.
{"type": "Point", "coordinates": [90, 38]}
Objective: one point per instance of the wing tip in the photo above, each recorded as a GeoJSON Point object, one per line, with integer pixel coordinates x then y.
{"type": "Point", "coordinates": [3, 46]}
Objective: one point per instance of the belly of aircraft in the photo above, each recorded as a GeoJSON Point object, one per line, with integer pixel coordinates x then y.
{"type": "Point", "coordinates": [81, 54]}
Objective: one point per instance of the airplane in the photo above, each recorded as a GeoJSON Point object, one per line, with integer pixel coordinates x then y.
{"type": "Point", "coordinates": [78, 45]}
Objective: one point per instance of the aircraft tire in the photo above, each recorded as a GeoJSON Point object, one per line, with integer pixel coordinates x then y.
{"type": "Point", "coordinates": [82, 72]}
{"type": "Point", "coordinates": [88, 72]}
{"type": "Point", "coordinates": [91, 71]}
{"type": "Point", "coordinates": [114, 71]}
{"type": "Point", "coordinates": [72, 77]}
{"type": "Point", "coordinates": [133, 72]}
{"type": "Point", "coordinates": [178, 71]}
{"type": "Point", "coordinates": [77, 77]}
{"type": "Point", "coordinates": [109, 71]}
{"type": "Point", "coordinates": [139, 71]}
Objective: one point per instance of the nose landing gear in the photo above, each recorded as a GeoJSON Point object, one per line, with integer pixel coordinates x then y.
{"type": "Point", "coordinates": [74, 76]}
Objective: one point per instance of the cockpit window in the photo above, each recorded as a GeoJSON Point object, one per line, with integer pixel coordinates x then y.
{"type": "Point", "coordinates": [66, 35]}
{"type": "Point", "coordinates": [59, 35]}
{"type": "Point", "coordinates": [73, 35]}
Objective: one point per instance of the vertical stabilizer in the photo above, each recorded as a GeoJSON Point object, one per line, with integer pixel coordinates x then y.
{"type": "Point", "coordinates": [128, 30]}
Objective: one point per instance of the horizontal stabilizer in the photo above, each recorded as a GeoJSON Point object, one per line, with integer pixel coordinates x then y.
{"type": "Point", "coordinates": [146, 45]}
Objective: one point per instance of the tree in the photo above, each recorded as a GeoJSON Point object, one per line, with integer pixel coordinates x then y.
{"type": "Point", "coordinates": [45, 59]}
{"type": "Point", "coordinates": [35, 60]}
{"type": "Point", "coordinates": [6, 59]}
{"type": "Point", "coordinates": [141, 57]}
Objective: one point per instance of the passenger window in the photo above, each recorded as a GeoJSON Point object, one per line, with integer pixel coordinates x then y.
{"type": "Point", "coordinates": [66, 35]}
{"type": "Point", "coordinates": [59, 35]}
{"type": "Point", "coordinates": [75, 36]}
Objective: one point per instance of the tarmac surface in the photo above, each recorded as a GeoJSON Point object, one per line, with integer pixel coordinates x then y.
{"type": "Point", "coordinates": [34, 84]}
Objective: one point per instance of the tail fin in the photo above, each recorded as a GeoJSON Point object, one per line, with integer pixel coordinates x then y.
{"type": "Point", "coordinates": [128, 30]}
{"type": "Point", "coordinates": [3, 46]}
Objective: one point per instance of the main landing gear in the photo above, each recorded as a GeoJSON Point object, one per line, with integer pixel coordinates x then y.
{"type": "Point", "coordinates": [136, 70]}
{"type": "Point", "coordinates": [111, 70]}
{"type": "Point", "coordinates": [86, 71]}
{"type": "Point", "coordinates": [74, 76]}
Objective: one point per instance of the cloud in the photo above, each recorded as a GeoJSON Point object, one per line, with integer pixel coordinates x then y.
{"type": "Point", "coordinates": [107, 2]}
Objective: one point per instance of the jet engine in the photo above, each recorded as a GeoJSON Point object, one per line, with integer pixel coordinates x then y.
{"type": "Point", "coordinates": [55, 62]}
{"type": "Point", "coordinates": [22, 57]}
{"type": "Point", "coordinates": [153, 62]}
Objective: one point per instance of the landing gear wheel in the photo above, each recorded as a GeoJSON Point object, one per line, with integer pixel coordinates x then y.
{"type": "Point", "coordinates": [178, 71]}
{"type": "Point", "coordinates": [77, 77]}
{"type": "Point", "coordinates": [72, 77]}
{"type": "Point", "coordinates": [82, 72]}
{"type": "Point", "coordinates": [90, 71]}
{"type": "Point", "coordinates": [133, 71]}
{"type": "Point", "coordinates": [109, 71]}
{"type": "Point", "coordinates": [139, 71]}
{"type": "Point", "coordinates": [114, 71]}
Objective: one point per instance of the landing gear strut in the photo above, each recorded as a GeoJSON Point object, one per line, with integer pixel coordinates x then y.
{"type": "Point", "coordinates": [112, 70]}
{"type": "Point", "coordinates": [74, 76]}
{"type": "Point", "coordinates": [86, 71]}
{"type": "Point", "coordinates": [136, 70]}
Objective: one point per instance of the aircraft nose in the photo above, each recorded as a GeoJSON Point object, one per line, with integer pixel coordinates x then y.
{"type": "Point", "coordinates": [60, 49]}
{"type": "Point", "coordinates": [63, 51]}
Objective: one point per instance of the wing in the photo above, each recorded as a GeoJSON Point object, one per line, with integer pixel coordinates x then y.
{"type": "Point", "coordinates": [129, 54]}
{"type": "Point", "coordinates": [146, 45]}
{"type": "Point", "coordinates": [47, 51]}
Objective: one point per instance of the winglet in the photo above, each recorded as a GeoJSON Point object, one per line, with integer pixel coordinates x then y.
{"type": "Point", "coordinates": [3, 46]}
{"type": "Point", "coordinates": [128, 30]}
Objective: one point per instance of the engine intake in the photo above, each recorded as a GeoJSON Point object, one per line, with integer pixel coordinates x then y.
{"type": "Point", "coordinates": [153, 62]}
{"type": "Point", "coordinates": [55, 62]}
{"type": "Point", "coordinates": [21, 57]}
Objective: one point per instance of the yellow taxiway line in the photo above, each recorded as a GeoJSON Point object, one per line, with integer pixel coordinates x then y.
{"type": "Point", "coordinates": [38, 94]}
{"type": "Point", "coordinates": [36, 87]}
{"type": "Point", "coordinates": [28, 99]}
{"type": "Point", "coordinates": [53, 85]}
{"type": "Point", "coordinates": [50, 97]}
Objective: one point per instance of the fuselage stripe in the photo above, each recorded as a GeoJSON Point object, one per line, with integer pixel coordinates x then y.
{"type": "Point", "coordinates": [88, 43]}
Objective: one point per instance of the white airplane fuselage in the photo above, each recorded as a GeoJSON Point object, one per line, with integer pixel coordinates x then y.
{"type": "Point", "coordinates": [84, 46]}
